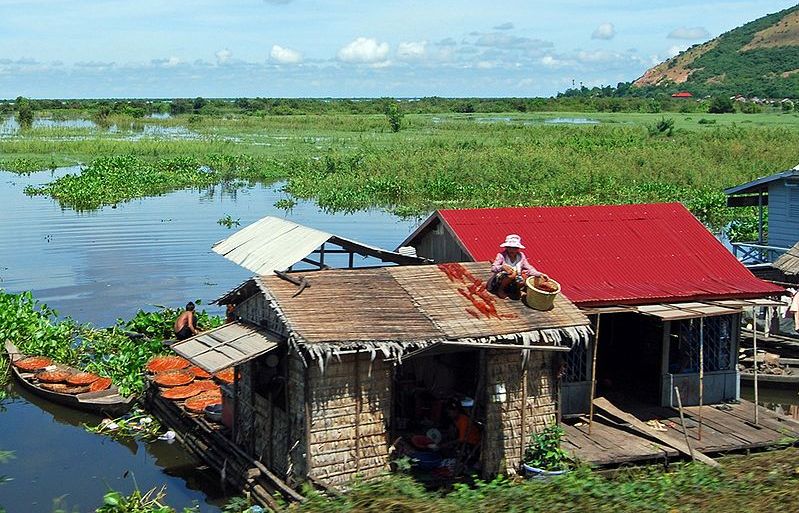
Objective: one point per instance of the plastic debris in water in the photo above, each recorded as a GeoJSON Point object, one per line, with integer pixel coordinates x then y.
{"type": "Point", "coordinates": [169, 436]}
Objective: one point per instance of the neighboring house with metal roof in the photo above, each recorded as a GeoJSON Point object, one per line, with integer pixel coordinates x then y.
{"type": "Point", "coordinates": [663, 285]}
{"type": "Point", "coordinates": [779, 194]}
{"type": "Point", "coordinates": [367, 355]}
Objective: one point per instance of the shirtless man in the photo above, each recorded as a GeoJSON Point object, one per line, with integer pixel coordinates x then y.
{"type": "Point", "coordinates": [185, 325]}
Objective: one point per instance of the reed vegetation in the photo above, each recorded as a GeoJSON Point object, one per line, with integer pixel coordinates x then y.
{"type": "Point", "coordinates": [350, 162]}
{"type": "Point", "coordinates": [36, 329]}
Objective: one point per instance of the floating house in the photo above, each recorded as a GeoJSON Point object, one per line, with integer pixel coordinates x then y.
{"type": "Point", "coordinates": [663, 285]}
{"type": "Point", "coordinates": [334, 366]}
{"type": "Point", "coordinates": [777, 194]}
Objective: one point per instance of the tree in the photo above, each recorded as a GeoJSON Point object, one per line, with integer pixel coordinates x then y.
{"type": "Point", "coordinates": [199, 103]}
{"type": "Point", "coordinates": [721, 105]}
{"type": "Point", "coordinates": [394, 116]}
{"type": "Point", "coordinates": [25, 112]}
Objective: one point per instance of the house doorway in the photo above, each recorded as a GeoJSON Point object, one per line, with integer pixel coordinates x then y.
{"type": "Point", "coordinates": [629, 358]}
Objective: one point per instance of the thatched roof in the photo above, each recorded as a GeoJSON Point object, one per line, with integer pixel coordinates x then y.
{"type": "Point", "coordinates": [394, 309]}
{"type": "Point", "coordinates": [789, 262]}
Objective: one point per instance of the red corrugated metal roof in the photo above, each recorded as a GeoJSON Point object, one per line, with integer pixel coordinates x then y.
{"type": "Point", "coordinates": [620, 254]}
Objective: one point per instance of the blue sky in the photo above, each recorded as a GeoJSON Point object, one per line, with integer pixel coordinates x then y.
{"type": "Point", "coordinates": [355, 48]}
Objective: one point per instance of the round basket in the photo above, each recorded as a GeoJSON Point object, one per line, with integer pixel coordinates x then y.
{"type": "Point", "coordinates": [56, 376]}
{"type": "Point", "coordinates": [540, 299]}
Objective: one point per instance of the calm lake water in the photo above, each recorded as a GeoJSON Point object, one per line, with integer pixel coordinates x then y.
{"type": "Point", "coordinates": [100, 266]}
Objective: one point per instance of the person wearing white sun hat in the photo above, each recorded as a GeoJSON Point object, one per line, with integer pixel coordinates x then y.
{"type": "Point", "coordinates": [511, 269]}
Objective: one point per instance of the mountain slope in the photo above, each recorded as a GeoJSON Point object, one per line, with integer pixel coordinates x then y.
{"type": "Point", "coordinates": [760, 58]}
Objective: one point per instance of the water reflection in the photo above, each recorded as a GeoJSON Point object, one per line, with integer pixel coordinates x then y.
{"type": "Point", "coordinates": [103, 265]}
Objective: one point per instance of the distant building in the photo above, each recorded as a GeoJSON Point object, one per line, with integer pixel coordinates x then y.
{"type": "Point", "coordinates": [682, 94]}
{"type": "Point", "coordinates": [779, 193]}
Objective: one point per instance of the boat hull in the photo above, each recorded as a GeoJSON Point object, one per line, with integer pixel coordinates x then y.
{"type": "Point", "coordinates": [108, 402]}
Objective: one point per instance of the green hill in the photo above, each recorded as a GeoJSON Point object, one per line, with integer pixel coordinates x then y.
{"type": "Point", "coordinates": [760, 58]}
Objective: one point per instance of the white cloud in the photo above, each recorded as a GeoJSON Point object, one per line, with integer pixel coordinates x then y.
{"type": "Point", "coordinates": [363, 50]}
{"type": "Point", "coordinates": [171, 62]}
{"type": "Point", "coordinates": [604, 31]}
{"type": "Point", "coordinates": [285, 55]}
{"type": "Point", "coordinates": [412, 50]}
{"type": "Point", "coordinates": [551, 62]}
{"type": "Point", "coordinates": [689, 33]}
{"type": "Point", "coordinates": [507, 41]}
{"type": "Point", "coordinates": [223, 56]}
{"type": "Point", "coordinates": [674, 51]}
{"type": "Point", "coordinates": [505, 26]}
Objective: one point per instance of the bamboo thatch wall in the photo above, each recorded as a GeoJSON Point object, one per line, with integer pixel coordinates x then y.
{"type": "Point", "coordinates": [508, 424]}
{"type": "Point", "coordinates": [255, 310]}
{"type": "Point", "coordinates": [350, 412]}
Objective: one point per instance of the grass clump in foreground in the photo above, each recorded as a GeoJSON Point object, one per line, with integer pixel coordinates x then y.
{"type": "Point", "coordinates": [36, 330]}
{"type": "Point", "coordinates": [762, 483]}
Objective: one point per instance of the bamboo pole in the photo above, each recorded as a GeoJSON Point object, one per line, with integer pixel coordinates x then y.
{"type": "Point", "coordinates": [524, 408]}
{"type": "Point", "coordinates": [682, 421]}
{"type": "Point", "coordinates": [754, 343]}
{"type": "Point", "coordinates": [593, 374]}
{"type": "Point", "coordinates": [358, 407]}
{"type": "Point", "coordinates": [701, 370]}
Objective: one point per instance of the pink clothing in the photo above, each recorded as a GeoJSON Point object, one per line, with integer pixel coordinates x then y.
{"type": "Point", "coordinates": [520, 264]}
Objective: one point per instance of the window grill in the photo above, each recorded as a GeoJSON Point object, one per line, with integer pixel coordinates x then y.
{"type": "Point", "coordinates": [717, 344]}
{"type": "Point", "coordinates": [577, 364]}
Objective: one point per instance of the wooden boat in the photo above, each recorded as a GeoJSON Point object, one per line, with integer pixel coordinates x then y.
{"type": "Point", "coordinates": [792, 379]}
{"type": "Point", "coordinates": [108, 401]}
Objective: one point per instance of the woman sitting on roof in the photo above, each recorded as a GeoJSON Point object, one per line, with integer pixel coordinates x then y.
{"type": "Point", "coordinates": [511, 269]}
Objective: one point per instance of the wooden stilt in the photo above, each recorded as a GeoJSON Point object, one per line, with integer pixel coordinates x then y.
{"type": "Point", "coordinates": [754, 357]}
{"type": "Point", "coordinates": [682, 421]}
{"type": "Point", "coordinates": [593, 374]}
{"type": "Point", "coordinates": [701, 371]}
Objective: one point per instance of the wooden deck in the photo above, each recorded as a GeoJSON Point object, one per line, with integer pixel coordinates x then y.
{"type": "Point", "coordinates": [608, 445]}
{"type": "Point", "coordinates": [725, 428]}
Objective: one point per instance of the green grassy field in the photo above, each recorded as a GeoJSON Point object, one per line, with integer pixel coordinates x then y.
{"type": "Point", "coordinates": [347, 162]}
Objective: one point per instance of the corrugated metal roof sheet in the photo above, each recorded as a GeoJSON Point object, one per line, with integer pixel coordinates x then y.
{"type": "Point", "coordinates": [620, 254]}
{"type": "Point", "coordinates": [225, 346]}
{"type": "Point", "coordinates": [270, 244]}
{"type": "Point", "coordinates": [761, 184]}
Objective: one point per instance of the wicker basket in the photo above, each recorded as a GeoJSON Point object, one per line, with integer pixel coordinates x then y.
{"type": "Point", "coordinates": [540, 299]}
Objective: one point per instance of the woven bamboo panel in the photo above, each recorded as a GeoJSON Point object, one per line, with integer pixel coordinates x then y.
{"type": "Point", "coordinates": [438, 297]}
{"type": "Point", "coordinates": [350, 305]}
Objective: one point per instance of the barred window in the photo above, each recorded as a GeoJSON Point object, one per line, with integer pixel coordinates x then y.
{"type": "Point", "coordinates": [684, 350]}
{"type": "Point", "coordinates": [577, 363]}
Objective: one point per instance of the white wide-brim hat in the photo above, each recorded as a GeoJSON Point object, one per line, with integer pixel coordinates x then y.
{"type": "Point", "coordinates": [512, 241]}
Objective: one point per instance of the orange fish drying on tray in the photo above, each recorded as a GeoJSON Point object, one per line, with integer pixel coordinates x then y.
{"type": "Point", "coordinates": [198, 403]}
{"type": "Point", "coordinates": [226, 375]}
{"type": "Point", "coordinates": [167, 363]}
{"type": "Point", "coordinates": [64, 388]}
{"type": "Point", "coordinates": [174, 378]}
{"type": "Point", "coordinates": [82, 378]}
{"type": "Point", "coordinates": [204, 385]}
{"type": "Point", "coordinates": [33, 363]}
{"type": "Point", "coordinates": [199, 373]}
{"type": "Point", "coordinates": [100, 384]}
{"type": "Point", "coordinates": [179, 393]}
{"type": "Point", "coordinates": [55, 376]}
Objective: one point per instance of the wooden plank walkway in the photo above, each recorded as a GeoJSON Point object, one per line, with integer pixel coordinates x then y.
{"type": "Point", "coordinates": [725, 428]}
{"type": "Point", "coordinates": [608, 445]}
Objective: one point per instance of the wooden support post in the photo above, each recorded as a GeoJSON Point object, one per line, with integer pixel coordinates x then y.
{"type": "Point", "coordinates": [682, 421]}
{"type": "Point", "coordinates": [351, 260]}
{"type": "Point", "coordinates": [236, 404]}
{"type": "Point", "coordinates": [358, 406]}
{"type": "Point", "coordinates": [701, 371]}
{"type": "Point", "coordinates": [754, 356]}
{"type": "Point", "coordinates": [524, 407]}
{"type": "Point", "coordinates": [322, 255]}
{"type": "Point", "coordinates": [593, 374]}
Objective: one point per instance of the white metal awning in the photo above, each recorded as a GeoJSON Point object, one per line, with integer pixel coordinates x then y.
{"type": "Point", "coordinates": [271, 244]}
{"type": "Point", "coordinates": [228, 345]}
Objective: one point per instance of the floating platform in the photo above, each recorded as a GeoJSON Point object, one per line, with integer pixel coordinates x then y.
{"type": "Point", "coordinates": [725, 428]}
